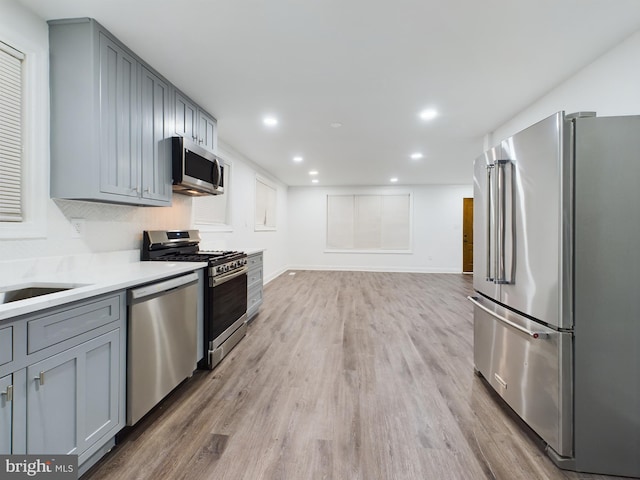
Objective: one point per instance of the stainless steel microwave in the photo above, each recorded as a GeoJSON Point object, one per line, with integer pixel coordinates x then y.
{"type": "Point", "coordinates": [196, 171]}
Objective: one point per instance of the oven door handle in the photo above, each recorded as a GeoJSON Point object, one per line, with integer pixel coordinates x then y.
{"type": "Point", "coordinates": [225, 278]}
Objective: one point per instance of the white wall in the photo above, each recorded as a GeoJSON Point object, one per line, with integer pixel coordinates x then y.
{"type": "Point", "coordinates": [115, 227]}
{"type": "Point", "coordinates": [609, 86]}
{"type": "Point", "coordinates": [436, 232]}
{"type": "Point", "coordinates": [242, 234]}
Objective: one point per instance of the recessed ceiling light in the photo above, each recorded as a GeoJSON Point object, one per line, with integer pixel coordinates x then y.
{"type": "Point", "coordinates": [416, 156]}
{"type": "Point", "coordinates": [428, 114]}
{"type": "Point", "coordinates": [315, 180]}
{"type": "Point", "coordinates": [335, 124]}
{"type": "Point", "coordinates": [297, 159]}
{"type": "Point", "coordinates": [270, 121]}
{"type": "Point", "coordinates": [393, 180]}
{"type": "Point", "coordinates": [313, 172]}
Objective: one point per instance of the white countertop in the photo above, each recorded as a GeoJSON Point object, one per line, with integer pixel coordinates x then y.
{"type": "Point", "coordinates": [251, 251]}
{"type": "Point", "coordinates": [94, 273]}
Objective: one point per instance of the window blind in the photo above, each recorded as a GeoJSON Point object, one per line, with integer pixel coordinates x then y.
{"type": "Point", "coordinates": [10, 134]}
{"type": "Point", "coordinates": [266, 196]}
{"type": "Point", "coordinates": [369, 222]}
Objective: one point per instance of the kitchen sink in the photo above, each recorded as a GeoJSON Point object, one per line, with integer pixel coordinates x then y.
{"type": "Point", "coordinates": [24, 292]}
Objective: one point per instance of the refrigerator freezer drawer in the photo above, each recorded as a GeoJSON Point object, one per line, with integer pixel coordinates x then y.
{"type": "Point", "coordinates": [529, 366]}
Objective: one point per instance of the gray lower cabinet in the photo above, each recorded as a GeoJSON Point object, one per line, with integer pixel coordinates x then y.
{"type": "Point", "coordinates": [254, 284]}
{"type": "Point", "coordinates": [72, 397]}
{"type": "Point", "coordinates": [6, 414]}
{"type": "Point", "coordinates": [109, 119]}
{"type": "Point", "coordinates": [63, 390]}
{"type": "Point", "coordinates": [194, 123]}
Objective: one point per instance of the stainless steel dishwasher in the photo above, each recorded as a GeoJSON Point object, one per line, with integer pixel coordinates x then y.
{"type": "Point", "coordinates": [162, 341]}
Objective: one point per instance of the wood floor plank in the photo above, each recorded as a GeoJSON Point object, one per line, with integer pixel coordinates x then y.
{"type": "Point", "coordinates": [342, 375]}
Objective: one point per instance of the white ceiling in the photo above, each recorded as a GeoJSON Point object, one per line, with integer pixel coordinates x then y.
{"type": "Point", "coordinates": [371, 65]}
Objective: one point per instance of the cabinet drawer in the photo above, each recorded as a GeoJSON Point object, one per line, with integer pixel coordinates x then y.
{"type": "Point", "coordinates": [254, 260]}
{"type": "Point", "coordinates": [254, 297]}
{"type": "Point", "coordinates": [532, 374]}
{"type": "Point", "coordinates": [61, 325]}
{"type": "Point", "coordinates": [254, 277]}
{"type": "Point", "coordinates": [6, 345]}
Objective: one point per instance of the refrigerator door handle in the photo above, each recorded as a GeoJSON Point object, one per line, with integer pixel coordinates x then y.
{"type": "Point", "coordinates": [506, 321]}
{"type": "Point", "coordinates": [501, 213]}
{"type": "Point", "coordinates": [490, 216]}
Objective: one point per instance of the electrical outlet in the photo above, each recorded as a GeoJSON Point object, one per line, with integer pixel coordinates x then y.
{"type": "Point", "coordinates": [77, 227]}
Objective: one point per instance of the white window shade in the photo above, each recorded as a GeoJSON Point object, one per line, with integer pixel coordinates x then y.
{"type": "Point", "coordinates": [266, 196]}
{"type": "Point", "coordinates": [340, 225]}
{"type": "Point", "coordinates": [10, 134]}
{"type": "Point", "coordinates": [379, 223]}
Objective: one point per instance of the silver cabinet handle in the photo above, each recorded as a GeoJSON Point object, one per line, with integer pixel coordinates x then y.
{"type": "Point", "coordinates": [40, 378]}
{"type": "Point", "coordinates": [507, 321]}
{"type": "Point", "coordinates": [8, 393]}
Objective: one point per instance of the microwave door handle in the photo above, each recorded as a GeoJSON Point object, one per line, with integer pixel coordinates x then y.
{"type": "Point", "coordinates": [218, 174]}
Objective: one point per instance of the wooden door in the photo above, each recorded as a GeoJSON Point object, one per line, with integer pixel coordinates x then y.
{"type": "Point", "coordinates": [467, 234]}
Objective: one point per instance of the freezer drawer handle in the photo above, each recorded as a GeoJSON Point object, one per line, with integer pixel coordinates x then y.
{"type": "Point", "coordinates": [474, 300]}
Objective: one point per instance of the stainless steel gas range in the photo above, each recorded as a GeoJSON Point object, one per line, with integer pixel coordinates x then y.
{"type": "Point", "coordinates": [225, 292]}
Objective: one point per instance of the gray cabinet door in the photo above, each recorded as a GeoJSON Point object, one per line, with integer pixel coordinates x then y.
{"type": "Point", "coordinates": [119, 124]}
{"type": "Point", "coordinates": [6, 415]}
{"type": "Point", "coordinates": [155, 148]}
{"type": "Point", "coordinates": [72, 397]}
{"type": "Point", "coordinates": [186, 118]}
{"type": "Point", "coordinates": [207, 126]}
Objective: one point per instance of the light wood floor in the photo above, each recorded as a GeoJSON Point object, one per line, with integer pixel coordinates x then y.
{"type": "Point", "coordinates": [342, 376]}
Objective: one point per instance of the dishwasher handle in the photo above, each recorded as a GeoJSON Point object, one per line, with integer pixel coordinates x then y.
{"type": "Point", "coordinates": [155, 288]}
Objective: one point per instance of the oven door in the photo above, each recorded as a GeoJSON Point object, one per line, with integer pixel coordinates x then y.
{"type": "Point", "coordinates": [226, 308]}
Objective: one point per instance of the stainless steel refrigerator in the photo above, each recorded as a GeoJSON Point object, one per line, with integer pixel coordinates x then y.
{"type": "Point", "coordinates": [556, 269]}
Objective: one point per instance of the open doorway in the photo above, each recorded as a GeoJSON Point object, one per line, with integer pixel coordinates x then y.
{"type": "Point", "coordinates": [467, 235]}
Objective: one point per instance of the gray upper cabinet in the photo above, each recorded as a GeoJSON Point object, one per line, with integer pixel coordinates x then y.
{"type": "Point", "coordinates": [154, 141]}
{"type": "Point", "coordinates": [186, 117]}
{"type": "Point", "coordinates": [110, 117]}
{"type": "Point", "coordinates": [120, 169]}
{"type": "Point", "coordinates": [208, 135]}
{"type": "Point", "coordinates": [192, 122]}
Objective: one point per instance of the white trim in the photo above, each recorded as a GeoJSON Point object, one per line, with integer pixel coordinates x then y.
{"type": "Point", "coordinates": [394, 252]}
{"type": "Point", "coordinates": [354, 268]}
